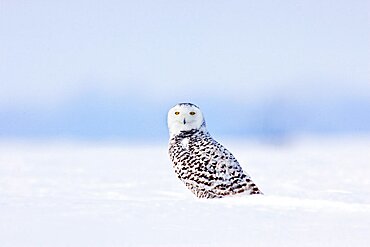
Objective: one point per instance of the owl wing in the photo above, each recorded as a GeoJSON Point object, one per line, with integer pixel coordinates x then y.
{"type": "Point", "coordinates": [225, 171]}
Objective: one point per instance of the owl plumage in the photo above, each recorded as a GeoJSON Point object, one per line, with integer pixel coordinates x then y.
{"type": "Point", "coordinates": [207, 168]}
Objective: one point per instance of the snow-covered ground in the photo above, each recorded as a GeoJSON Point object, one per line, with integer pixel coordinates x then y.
{"type": "Point", "coordinates": [317, 193]}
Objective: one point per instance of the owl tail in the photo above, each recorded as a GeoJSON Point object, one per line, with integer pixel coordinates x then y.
{"type": "Point", "coordinates": [253, 189]}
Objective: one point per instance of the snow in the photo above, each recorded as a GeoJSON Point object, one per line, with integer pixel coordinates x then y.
{"type": "Point", "coordinates": [317, 193]}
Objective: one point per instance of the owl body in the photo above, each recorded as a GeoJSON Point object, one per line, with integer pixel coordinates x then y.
{"type": "Point", "coordinates": [207, 168]}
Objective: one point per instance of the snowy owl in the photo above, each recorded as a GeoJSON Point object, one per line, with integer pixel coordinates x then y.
{"type": "Point", "coordinates": [207, 168]}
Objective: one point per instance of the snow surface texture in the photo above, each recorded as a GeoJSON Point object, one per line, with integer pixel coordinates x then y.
{"type": "Point", "coordinates": [317, 193]}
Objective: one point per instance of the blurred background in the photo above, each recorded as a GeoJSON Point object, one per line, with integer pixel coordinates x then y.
{"type": "Point", "coordinates": [110, 70]}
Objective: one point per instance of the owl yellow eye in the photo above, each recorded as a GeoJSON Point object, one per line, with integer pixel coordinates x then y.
{"type": "Point", "coordinates": [192, 113]}
{"type": "Point", "coordinates": [177, 112]}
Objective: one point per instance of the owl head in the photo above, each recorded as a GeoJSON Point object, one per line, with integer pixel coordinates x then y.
{"type": "Point", "coordinates": [185, 117]}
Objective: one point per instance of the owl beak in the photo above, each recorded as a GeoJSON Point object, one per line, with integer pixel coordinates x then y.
{"type": "Point", "coordinates": [184, 121]}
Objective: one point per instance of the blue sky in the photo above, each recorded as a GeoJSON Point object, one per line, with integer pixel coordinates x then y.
{"type": "Point", "coordinates": [111, 69]}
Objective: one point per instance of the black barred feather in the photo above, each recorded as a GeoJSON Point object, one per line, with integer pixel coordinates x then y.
{"type": "Point", "coordinates": [207, 168]}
